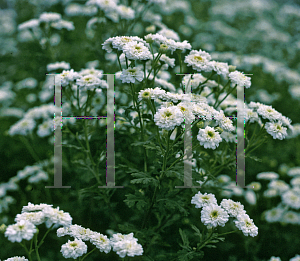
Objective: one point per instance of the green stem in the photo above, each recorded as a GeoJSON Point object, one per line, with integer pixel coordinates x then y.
{"type": "Point", "coordinates": [228, 233]}
{"type": "Point", "coordinates": [88, 253]}
{"type": "Point", "coordinates": [26, 250]}
{"type": "Point", "coordinates": [42, 241]}
{"type": "Point", "coordinates": [29, 148]}
{"type": "Point", "coordinates": [36, 247]}
{"type": "Point", "coordinates": [217, 104]}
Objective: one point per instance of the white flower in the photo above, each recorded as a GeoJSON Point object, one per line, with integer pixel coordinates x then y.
{"type": "Point", "coordinates": [295, 181]}
{"type": "Point", "coordinates": [223, 178]}
{"type": "Point", "coordinates": [49, 17]}
{"type": "Point", "coordinates": [168, 33]}
{"type": "Point", "coordinates": [131, 74]}
{"type": "Point", "coordinates": [119, 42]}
{"type": "Point", "coordinates": [291, 198]}
{"type": "Point", "coordinates": [220, 68]}
{"type": "Point", "coordinates": [186, 110]}
{"type": "Point", "coordinates": [168, 118]}
{"type": "Point", "coordinates": [250, 196]}
{"type": "Point", "coordinates": [88, 82]}
{"type": "Point", "coordinates": [279, 185]}
{"type": "Point", "coordinates": [165, 84]}
{"type": "Point", "coordinates": [267, 175]}
{"type": "Point", "coordinates": [291, 217]}
{"type": "Point", "coordinates": [240, 79]}
{"type": "Point", "coordinates": [276, 130]}
{"type": "Point", "coordinates": [213, 215]}
{"type": "Point", "coordinates": [202, 200]}
{"type": "Point", "coordinates": [105, 5]}
{"type": "Point", "coordinates": [199, 60]}
{"type": "Point", "coordinates": [62, 24]}
{"type": "Point", "coordinates": [270, 193]}
{"type": "Point", "coordinates": [294, 171]}
{"type": "Point", "coordinates": [33, 23]}
{"type": "Point", "coordinates": [41, 175]}
{"type": "Point", "coordinates": [273, 215]}
{"type": "Point", "coordinates": [224, 122]}
{"type": "Point", "coordinates": [16, 258]}
{"type": "Point", "coordinates": [58, 65]}
{"type": "Point", "coordinates": [145, 94]}
{"type": "Point", "coordinates": [101, 242]}
{"type": "Point", "coordinates": [35, 218]}
{"type": "Point", "coordinates": [136, 51]}
{"type": "Point", "coordinates": [22, 127]}
{"type": "Point", "coordinates": [73, 249]}
{"type": "Point", "coordinates": [273, 258]}
{"type": "Point", "coordinates": [125, 12]}
{"type": "Point", "coordinates": [126, 245]}
{"type": "Point", "coordinates": [209, 138]}
{"type": "Point", "coordinates": [267, 112]}
{"type": "Point", "coordinates": [68, 76]}
{"type": "Point", "coordinates": [250, 115]}
{"type": "Point", "coordinates": [233, 208]}
{"type": "Point", "coordinates": [295, 258]}
{"type": "Point", "coordinates": [56, 216]}
{"type": "Point", "coordinates": [31, 207]}
{"type": "Point", "coordinates": [21, 230]}
{"type": "Point", "coordinates": [169, 61]}
{"type": "Point", "coordinates": [246, 225]}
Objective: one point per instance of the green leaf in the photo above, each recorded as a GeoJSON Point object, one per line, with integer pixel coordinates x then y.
{"type": "Point", "coordinates": [211, 246]}
{"type": "Point", "coordinates": [137, 199]}
{"type": "Point", "coordinates": [184, 238]}
{"type": "Point", "coordinates": [198, 233]}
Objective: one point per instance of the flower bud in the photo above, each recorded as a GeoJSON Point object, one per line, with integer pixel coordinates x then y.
{"type": "Point", "coordinates": [200, 124]}
{"type": "Point", "coordinates": [232, 68]}
{"type": "Point", "coordinates": [218, 129]}
{"type": "Point", "coordinates": [3, 228]}
{"type": "Point", "coordinates": [163, 48]}
{"type": "Point", "coordinates": [150, 29]}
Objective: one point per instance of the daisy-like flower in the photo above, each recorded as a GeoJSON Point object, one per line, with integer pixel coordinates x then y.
{"type": "Point", "coordinates": [68, 76]}
{"type": "Point", "coordinates": [240, 79]}
{"type": "Point", "coordinates": [294, 172]}
{"type": "Point", "coordinates": [125, 12]}
{"type": "Point", "coordinates": [279, 185]}
{"type": "Point", "coordinates": [202, 200]}
{"type": "Point", "coordinates": [233, 208]}
{"type": "Point", "coordinates": [118, 42]}
{"type": "Point", "coordinates": [62, 24]}
{"type": "Point", "coordinates": [209, 138]}
{"type": "Point", "coordinates": [295, 182]}
{"type": "Point", "coordinates": [270, 193]}
{"type": "Point", "coordinates": [57, 217]}
{"type": "Point", "coordinates": [246, 225]}
{"type": "Point", "coordinates": [199, 60]}
{"type": "Point", "coordinates": [145, 94]}
{"type": "Point", "coordinates": [186, 110]}
{"type": "Point", "coordinates": [224, 122]}
{"type": "Point", "coordinates": [126, 245]}
{"type": "Point", "coordinates": [273, 215]}
{"type": "Point", "coordinates": [158, 93]}
{"type": "Point", "coordinates": [251, 116]}
{"type": "Point", "coordinates": [45, 129]}
{"type": "Point", "coordinates": [33, 23]}
{"type": "Point", "coordinates": [131, 75]}
{"type": "Point", "coordinates": [291, 198]}
{"type": "Point", "coordinates": [168, 33]}
{"type": "Point", "coordinates": [58, 65]}
{"type": "Point", "coordinates": [165, 84]}
{"type": "Point", "coordinates": [136, 51]}
{"type": "Point", "coordinates": [291, 217]}
{"type": "Point", "coordinates": [35, 218]}
{"type": "Point", "coordinates": [88, 82]}
{"type": "Point", "coordinates": [267, 175]}
{"type": "Point", "coordinates": [168, 118]}
{"type": "Point", "coordinates": [220, 68]}
{"type": "Point", "coordinates": [16, 258]}
{"type": "Point", "coordinates": [166, 59]}
{"type": "Point", "coordinates": [267, 112]}
{"type": "Point", "coordinates": [276, 130]}
{"type": "Point", "coordinates": [49, 17]}
{"type": "Point", "coordinates": [213, 215]}
{"type": "Point", "coordinates": [22, 127]}
{"type": "Point", "coordinates": [73, 249]}
{"type": "Point", "coordinates": [101, 242]}
{"type": "Point", "coordinates": [19, 231]}
{"type": "Point", "coordinates": [32, 207]}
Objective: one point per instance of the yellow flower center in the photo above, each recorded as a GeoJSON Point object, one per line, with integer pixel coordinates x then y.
{"type": "Point", "coordinates": [198, 58]}
{"type": "Point", "coordinates": [214, 214]}
{"type": "Point", "coordinates": [210, 134]}
{"type": "Point", "coordinates": [167, 114]}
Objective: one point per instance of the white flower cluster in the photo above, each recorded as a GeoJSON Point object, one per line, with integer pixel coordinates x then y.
{"type": "Point", "coordinates": [122, 244]}
{"type": "Point", "coordinates": [290, 197]}
{"type": "Point", "coordinates": [277, 124]}
{"type": "Point", "coordinates": [54, 19]}
{"type": "Point", "coordinates": [295, 258]}
{"type": "Point", "coordinates": [213, 215]}
{"type": "Point", "coordinates": [33, 215]}
{"type": "Point", "coordinates": [17, 258]}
